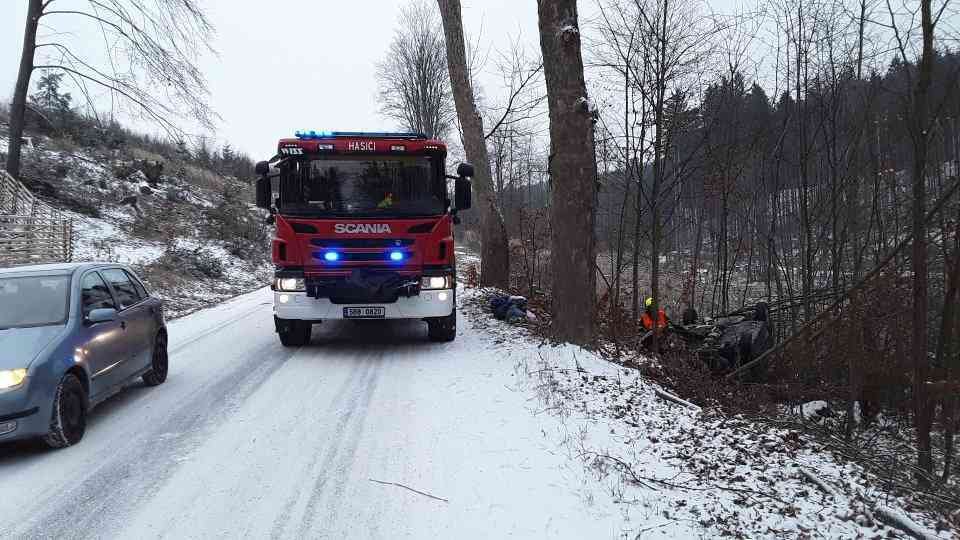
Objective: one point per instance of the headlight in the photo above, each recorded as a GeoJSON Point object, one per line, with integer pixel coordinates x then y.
{"type": "Point", "coordinates": [436, 282]}
{"type": "Point", "coordinates": [11, 378]}
{"type": "Point", "coordinates": [291, 284]}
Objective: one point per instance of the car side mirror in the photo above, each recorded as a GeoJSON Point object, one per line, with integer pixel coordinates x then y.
{"type": "Point", "coordinates": [102, 315]}
{"type": "Point", "coordinates": [263, 192]}
{"type": "Point", "coordinates": [262, 168]}
{"type": "Point", "coordinates": [465, 170]}
{"type": "Point", "coordinates": [463, 193]}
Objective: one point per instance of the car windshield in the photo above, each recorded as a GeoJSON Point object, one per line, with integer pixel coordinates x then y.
{"type": "Point", "coordinates": [33, 301]}
{"type": "Point", "coordinates": [346, 186]}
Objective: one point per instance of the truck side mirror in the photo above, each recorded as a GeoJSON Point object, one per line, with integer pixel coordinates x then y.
{"type": "Point", "coordinates": [463, 193]}
{"type": "Point", "coordinates": [262, 168]}
{"type": "Point", "coordinates": [465, 170]}
{"type": "Point", "coordinates": [263, 192]}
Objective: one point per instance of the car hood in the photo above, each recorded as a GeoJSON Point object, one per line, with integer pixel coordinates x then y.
{"type": "Point", "coordinates": [20, 346]}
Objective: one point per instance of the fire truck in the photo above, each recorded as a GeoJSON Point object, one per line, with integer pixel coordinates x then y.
{"type": "Point", "coordinates": [363, 230]}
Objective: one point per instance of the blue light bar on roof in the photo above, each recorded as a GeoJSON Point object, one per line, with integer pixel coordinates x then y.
{"type": "Point", "coordinates": [308, 135]}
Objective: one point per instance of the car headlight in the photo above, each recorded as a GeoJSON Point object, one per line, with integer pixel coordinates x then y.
{"type": "Point", "coordinates": [11, 378]}
{"type": "Point", "coordinates": [291, 284]}
{"type": "Point", "coordinates": [436, 282]}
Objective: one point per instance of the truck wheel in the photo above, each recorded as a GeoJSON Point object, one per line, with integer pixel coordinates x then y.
{"type": "Point", "coordinates": [69, 419]}
{"type": "Point", "coordinates": [294, 333]}
{"type": "Point", "coordinates": [443, 328]}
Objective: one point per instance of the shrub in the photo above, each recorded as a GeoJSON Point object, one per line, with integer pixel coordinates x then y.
{"type": "Point", "coordinates": [199, 262]}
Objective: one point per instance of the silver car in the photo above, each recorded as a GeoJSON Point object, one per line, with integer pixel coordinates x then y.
{"type": "Point", "coordinates": [72, 335]}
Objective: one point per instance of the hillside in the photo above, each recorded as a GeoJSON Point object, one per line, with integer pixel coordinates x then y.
{"type": "Point", "coordinates": [189, 230]}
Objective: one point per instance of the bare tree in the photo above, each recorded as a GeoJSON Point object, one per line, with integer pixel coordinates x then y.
{"type": "Point", "coordinates": [152, 48]}
{"type": "Point", "coordinates": [573, 173]}
{"type": "Point", "coordinates": [413, 82]}
{"type": "Point", "coordinates": [619, 50]}
{"type": "Point", "coordinates": [677, 38]}
{"type": "Point", "coordinates": [495, 256]}
{"type": "Point", "coordinates": [921, 109]}
{"type": "Point", "coordinates": [523, 80]}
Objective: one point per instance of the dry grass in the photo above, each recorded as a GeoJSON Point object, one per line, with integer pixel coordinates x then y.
{"type": "Point", "coordinates": [203, 179]}
{"type": "Point", "coordinates": [140, 153]}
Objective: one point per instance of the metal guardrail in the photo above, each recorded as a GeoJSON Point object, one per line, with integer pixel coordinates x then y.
{"type": "Point", "coordinates": [31, 231]}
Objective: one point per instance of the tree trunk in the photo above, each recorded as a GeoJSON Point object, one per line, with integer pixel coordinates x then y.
{"type": "Point", "coordinates": [947, 353]}
{"type": "Point", "coordinates": [638, 211]}
{"type": "Point", "coordinates": [659, 153]}
{"type": "Point", "coordinates": [18, 108]}
{"type": "Point", "coordinates": [573, 173]}
{"type": "Point", "coordinates": [495, 250]}
{"type": "Point", "coordinates": [922, 409]}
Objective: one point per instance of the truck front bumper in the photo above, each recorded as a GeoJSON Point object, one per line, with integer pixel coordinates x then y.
{"type": "Point", "coordinates": [299, 306]}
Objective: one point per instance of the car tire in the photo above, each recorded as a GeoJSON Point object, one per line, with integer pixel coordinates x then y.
{"type": "Point", "coordinates": [68, 421]}
{"type": "Point", "coordinates": [443, 329]}
{"type": "Point", "coordinates": [160, 364]}
{"type": "Point", "coordinates": [295, 333]}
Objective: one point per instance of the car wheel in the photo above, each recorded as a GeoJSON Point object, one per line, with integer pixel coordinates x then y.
{"type": "Point", "coordinates": [443, 328]}
{"type": "Point", "coordinates": [295, 333]}
{"type": "Point", "coordinates": [160, 364]}
{"type": "Point", "coordinates": [69, 419]}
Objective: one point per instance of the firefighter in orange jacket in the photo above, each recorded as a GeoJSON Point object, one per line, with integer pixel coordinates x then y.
{"type": "Point", "coordinates": [647, 318]}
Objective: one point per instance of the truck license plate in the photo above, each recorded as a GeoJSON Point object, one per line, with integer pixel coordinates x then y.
{"type": "Point", "coordinates": [364, 312]}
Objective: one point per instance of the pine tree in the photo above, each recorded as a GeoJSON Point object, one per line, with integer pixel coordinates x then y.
{"type": "Point", "coordinates": [54, 106]}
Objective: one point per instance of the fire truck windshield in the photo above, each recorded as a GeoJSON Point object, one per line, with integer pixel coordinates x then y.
{"type": "Point", "coordinates": [362, 186]}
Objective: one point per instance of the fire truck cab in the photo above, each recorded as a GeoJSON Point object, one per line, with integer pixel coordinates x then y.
{"type": "Point", "coordinates": [364, 230]}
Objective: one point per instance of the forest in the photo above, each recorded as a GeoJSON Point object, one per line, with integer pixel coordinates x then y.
{"type": "Point", "coordinates": [800, 154]}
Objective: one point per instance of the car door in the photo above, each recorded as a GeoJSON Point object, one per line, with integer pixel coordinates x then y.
{"type": "Point", "coordinates": [154, 308]}
{"type": "Point", "coordinates": [102, 346]}
{"type": "Point", "coordinates": [152, 312]}
{"type": "Point", "coordinates": [135, 316]}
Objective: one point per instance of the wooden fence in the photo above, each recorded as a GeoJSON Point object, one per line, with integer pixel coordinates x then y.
{"type": "Point", "coordinates": [31, 231]}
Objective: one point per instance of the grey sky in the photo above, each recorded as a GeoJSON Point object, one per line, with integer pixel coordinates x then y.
{"type": "Point", "coordinates": [285, 65]}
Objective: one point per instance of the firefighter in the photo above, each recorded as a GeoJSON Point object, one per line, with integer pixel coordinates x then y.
{"type": "Point", "coordinates": [647, 318]}
{"type": "Point", "coordinates": [387, 201]}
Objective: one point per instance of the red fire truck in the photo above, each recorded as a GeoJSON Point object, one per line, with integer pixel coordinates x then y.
{"type": "Point", "coordinates": [364, 230]}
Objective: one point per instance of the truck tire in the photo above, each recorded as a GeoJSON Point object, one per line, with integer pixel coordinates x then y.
{"type": "Point", "coordinates": [443, 328]}
{"type": "Point", "coordinates": [68, 421]}
{"type": "Point", "coordinates": [294, 333]}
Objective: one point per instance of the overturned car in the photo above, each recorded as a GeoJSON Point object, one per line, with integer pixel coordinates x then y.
{"type": "Point", "coordinates": [731, 341]}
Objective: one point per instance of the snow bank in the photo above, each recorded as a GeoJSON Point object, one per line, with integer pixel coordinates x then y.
{"type": "Point", "coordinates": [673, 472]}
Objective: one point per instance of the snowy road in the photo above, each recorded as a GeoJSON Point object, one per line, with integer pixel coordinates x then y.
{"type": "Point", "coordinates": [248, 439]}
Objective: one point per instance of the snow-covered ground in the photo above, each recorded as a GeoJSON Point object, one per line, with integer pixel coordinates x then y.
{"type": "Point", "coordinates": [677, 472]}
{"type": "Point", "coordinates": [374, 432]}
{"type": "Point", "coordinates": [248, 439]}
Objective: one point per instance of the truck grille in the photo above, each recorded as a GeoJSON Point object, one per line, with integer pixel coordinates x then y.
{"type": "Point", "coordinates": [363, 286]}
{"type": "Point", "coordinates": [361, 242]}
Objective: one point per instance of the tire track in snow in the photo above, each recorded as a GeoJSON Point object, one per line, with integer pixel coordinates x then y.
{"type": "Point", "coordinates": [213, 329]}
{"type": "Point", "coordinates": [125, 482]}
{"type": "Point", "coordinates": [348, 388]}
{"type": "Point", "coordinates": [337, 463]}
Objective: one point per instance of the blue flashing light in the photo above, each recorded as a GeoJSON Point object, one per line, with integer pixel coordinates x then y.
{"type": "Point", "coordinates": [396, 256]}
{"type": "Point", "coordinates": [313, 135]}
{"type": "Point", "coordinates": [331, 256]}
